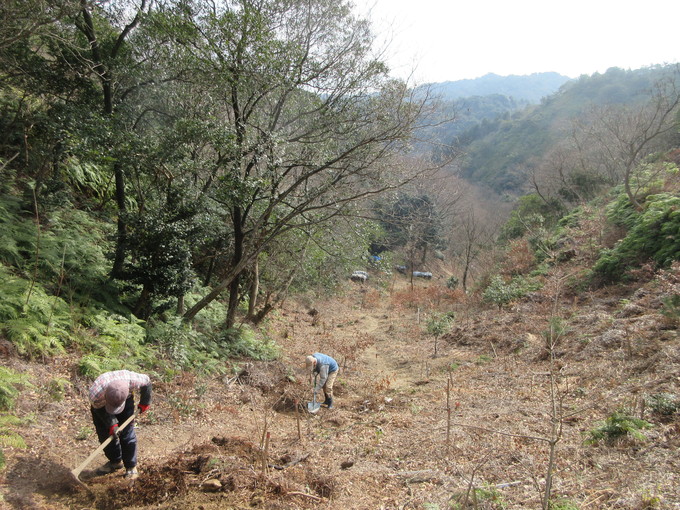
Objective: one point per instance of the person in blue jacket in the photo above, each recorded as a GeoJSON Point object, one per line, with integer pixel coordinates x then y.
{"type": "Point", "coordinates": [327, 369]}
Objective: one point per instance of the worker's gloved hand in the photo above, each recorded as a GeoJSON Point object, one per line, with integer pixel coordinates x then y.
{"type": "Point", "coordinates": [143, 408]}
{"type": "Point", "coordinates": [113, 430]}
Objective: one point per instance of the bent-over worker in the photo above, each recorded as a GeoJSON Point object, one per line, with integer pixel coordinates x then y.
{"type": "Point", "coordinates": [327, 369]}
{"type": "Point", "coordinates": [112, 402]}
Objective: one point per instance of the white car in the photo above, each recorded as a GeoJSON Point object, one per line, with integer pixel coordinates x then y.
{"type": "Point", "coordinates": [359, 276]}
{"type": "Point", "coordinates": [422, 274]}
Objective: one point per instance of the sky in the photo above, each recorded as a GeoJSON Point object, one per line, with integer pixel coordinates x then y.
{"type": "Point", "coordinates": [448, 40]}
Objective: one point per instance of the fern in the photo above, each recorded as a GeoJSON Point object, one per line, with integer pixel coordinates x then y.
{"type": "Point", "coordinates": [88, 178]}
{"type": "Point", "coordinates": [617, 426]}
{"type": "Point", "coordinates": [79, 243]}
{"type": "Point", "coordinates": [28, 312]}
{"type": "Point", "coordinates": [243, 342]}
{"type": "Point", "coordinates": [9, 438]}
{"type": "Point", "coordinates": [10, 384]}
{"type": "Point", "coordinates": [654, 234]}
{"type": "Point", "coordinates": [33, 339]}
{"type": "Point", "coordinates": [91, 366]}
{"type": "Point", "coordinates": [56, 388]}
{"type": "Point", "coordinates": [17, 234]}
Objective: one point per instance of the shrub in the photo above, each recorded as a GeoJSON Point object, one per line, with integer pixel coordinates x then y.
{"type": "Point", "coordinates": [501, 293]}
{"type": "Point", "coordinates": [187, 348]}
{"type": "Point", "coordinates": [671, 309]}
{"type": "Point", "coordinates": [439, 324]}
{"type": "Point", "coordinates": [618, 426]}
{"type": "Point", "coordinates": [664, 404]}
{"type": "Point", "coordinates": [531, 212]}
{"type": "Point", "coordinates": [243, 342]}
{"type": "Point", "coordinates": [654, 234]}
{"type": "Point", "coordinates": [520, 257]}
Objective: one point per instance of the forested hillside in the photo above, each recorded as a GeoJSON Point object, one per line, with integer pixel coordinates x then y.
{"type": "Point", "coordinates": [464, 105]}
{"type": "Point", "coordinates": [503, 152]}
{"type": "Point", "coordinates": [187, 188]}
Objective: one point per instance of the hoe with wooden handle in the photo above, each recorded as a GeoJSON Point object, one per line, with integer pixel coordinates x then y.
{"type": "Point", "coordinates": [76, 472]}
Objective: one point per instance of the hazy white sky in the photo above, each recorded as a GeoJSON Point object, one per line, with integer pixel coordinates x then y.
{"type": "Point", "coordinates": [447, 40]}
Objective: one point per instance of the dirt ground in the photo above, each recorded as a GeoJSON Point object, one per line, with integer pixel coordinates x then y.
{"type": "Point", "coordinates": [468, 420]}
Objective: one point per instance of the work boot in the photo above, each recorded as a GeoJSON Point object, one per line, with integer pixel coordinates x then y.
{"type": "Point", "coordinates": [326, 402]}
{"type": "Point", "coordinates": [329, 402]}
{"type": "Point", "coordinates": [131, 474]}
{"type": "Point", "coordinates": [109, 468]}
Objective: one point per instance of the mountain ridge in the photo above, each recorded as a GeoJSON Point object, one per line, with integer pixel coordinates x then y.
{"type": "Point", "coordinates": [531, 88]}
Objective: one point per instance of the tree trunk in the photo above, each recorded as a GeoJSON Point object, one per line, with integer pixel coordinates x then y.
{"type": "Point", "coordinates": [280, 298]}
{"type": "Point", "coordinates": [239, 237]}
{"type": "Point", "coordinates": [143, 307]}
{"type": "Point", "coordinates": [121, 238]}
{"type": "Point", "coordinates": [104, 74]}
{"type": "Point", "coordinates": [254, 289]}
{"type": "Point", "coordinates": [465, 274]}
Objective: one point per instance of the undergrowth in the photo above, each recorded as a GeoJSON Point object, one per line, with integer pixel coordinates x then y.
{"type": "Point", "coordinates": [617, 427]}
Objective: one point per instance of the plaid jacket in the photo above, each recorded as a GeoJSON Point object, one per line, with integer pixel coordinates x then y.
{"type": "Point", "coordinates": [137, 381]}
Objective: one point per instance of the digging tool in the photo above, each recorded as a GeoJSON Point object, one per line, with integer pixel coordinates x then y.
{"type": "Point", "coordinates": [313, 406]}
{"type": "Point", "coordinates": [76, 472]}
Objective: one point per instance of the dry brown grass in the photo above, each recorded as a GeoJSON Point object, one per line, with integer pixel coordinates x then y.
{"type": "Point", "coordinates": [385, 445]}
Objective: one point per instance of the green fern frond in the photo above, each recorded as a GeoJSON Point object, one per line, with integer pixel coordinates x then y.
{"type": "Point", "coordinates": [92, 366]}
{"type": "Point", "coordinates": [619, 425]}
{"type": "Point", "coordinates": [10, 384]}
{"type": "Point", "coordinates": [89, 178]}
{"type": "Point", "coordinates": [17, 235]}
{"type": "Point", "coordinates": [33, 339]}
{"type": "Point", "coordinates": [9, 420]}
{"type": "Point", "coordinates": [9, 438]}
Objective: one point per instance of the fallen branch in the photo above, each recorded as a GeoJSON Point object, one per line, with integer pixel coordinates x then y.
{"type": "Point", "coordinates": [296, 493]}
{"type": "Point", "coordinates": [508, 434]}
{"type": "Point", "coordinates": [422, 476]}
{"type": "Point", "coordinates": [430, 475]}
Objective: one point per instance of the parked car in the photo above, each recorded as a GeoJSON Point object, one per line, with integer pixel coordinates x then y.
{"type": "Point", "coordinates": [401, 269]}
{"type": "Point", "coordinates": [359, 276]}
{"type": "Point", "coordinates": [422, 274]}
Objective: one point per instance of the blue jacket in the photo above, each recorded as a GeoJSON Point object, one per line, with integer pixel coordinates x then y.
{"type": "Point", "coordinates": [324, 366]}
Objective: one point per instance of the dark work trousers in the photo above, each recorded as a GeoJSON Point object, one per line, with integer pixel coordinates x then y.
{"type": "Point", "coordinates": [125, 448]}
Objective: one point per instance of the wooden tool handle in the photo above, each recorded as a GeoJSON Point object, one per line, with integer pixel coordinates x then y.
{"type": "Point", "coordinates": [87, 461]}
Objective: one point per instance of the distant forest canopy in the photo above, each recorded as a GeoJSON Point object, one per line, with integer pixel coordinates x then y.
{"type": "Point", "coordinates": [498, 139]}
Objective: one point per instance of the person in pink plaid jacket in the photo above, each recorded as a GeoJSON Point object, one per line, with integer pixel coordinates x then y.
{"type": "Point", "coordinates": [112, 402]}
